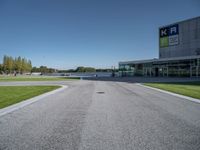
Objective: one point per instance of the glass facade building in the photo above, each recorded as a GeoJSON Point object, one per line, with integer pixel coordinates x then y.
{"type": "Point", "coordinates": [179, 67]}
{"type": "Point", "coordinates": [179, 53]}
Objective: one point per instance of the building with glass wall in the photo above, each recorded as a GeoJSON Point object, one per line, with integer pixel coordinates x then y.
{"type": "Point", "coordinates": [179, 53]}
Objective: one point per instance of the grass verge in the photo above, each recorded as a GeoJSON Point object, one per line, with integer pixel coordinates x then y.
{"type": "Point", "coordinates": [13, 94]}
{"type": "Point", "coordinates": [191, 89]}
{"type": "Point", "coordinates": [35, 78]}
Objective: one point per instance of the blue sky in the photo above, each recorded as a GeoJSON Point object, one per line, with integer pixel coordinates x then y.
{"type": "Point", "coordinates": [68, 33]}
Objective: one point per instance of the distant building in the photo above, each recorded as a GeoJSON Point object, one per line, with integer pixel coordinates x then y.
{"type": "Point", "coordinates": [179, 53]}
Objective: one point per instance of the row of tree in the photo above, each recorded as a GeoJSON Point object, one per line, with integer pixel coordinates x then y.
{"type": "Point", "coordinates": [86, 69]}
{"type": "Point", "coordinates": [22, 65]}
{"type": "Point", "coordinates": [15, 65]}
{"type": "Point", "coordinates": [78, 69]}
{"type": "Point", "coordinates": [43, 69]}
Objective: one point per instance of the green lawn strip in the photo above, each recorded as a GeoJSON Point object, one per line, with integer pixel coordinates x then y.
{"type": "Point", "coordinates": [13, 94]}
{"type": "Point", "coordinates": [24, 78]}
{"type": "Point", "coordinates": [191, 89]}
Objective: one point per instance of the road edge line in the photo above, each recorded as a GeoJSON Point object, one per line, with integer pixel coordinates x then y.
{"type": "Point", "coordinates": [26, 102]}
{"type": "Point", "coordinates": [171, 93]}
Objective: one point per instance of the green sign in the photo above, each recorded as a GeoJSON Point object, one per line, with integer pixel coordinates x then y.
{"type": "Point", "coordinates": [164, 42]}
{"type": "Point", "coordinates": [169, 36]}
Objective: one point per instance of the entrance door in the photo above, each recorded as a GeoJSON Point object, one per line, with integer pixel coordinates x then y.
{"type": "Point", "coordinates": [156, 72]}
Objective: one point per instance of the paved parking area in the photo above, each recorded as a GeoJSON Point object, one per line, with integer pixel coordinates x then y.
{"type": "Point", "coordinates": [102, 115]}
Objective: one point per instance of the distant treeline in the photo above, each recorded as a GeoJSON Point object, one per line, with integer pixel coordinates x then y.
{"type": "Point", "coordinates": [19, 65]}
{"type": "Point", "coordinates": [85, 69]}
{"type": "Point", "coordinates": [15, 65]}
{"type": "Point", "coordinates": [43, 69]}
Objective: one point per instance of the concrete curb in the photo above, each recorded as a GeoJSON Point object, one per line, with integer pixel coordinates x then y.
{"type": "Point", "coordinates": [24, 103]}
{"type": "Point", "coordinates": [173, 94]}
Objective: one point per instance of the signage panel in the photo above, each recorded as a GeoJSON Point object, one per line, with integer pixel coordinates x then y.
{"type": "Point", "coordinates": [169, 36]}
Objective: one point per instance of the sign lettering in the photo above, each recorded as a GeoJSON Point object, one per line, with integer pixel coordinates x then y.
{"type": "Point", "coordinates": [169, 36]}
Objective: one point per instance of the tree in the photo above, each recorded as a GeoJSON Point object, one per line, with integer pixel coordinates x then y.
{"type": "Point", "coordinates": [10, 64]}
{"type": "Point", "coordinates": [23, 69]}
{"type": "Point", "coordinates": [1, 68]}
{"type": "Point", "coordinates": [18, 64]}
{"type": "Point", "coordinates": [80, 69]}
{"type": "Point", "coordinates": [85, 69]}
{"type": "Point", "coordinates": [90, 69]}
{"type": "Point", "coordinates": [29, 66]}
{"type": "Point", "coordinates": [6, 64]}
{"type": "Point", "coordinates": [43, 69]}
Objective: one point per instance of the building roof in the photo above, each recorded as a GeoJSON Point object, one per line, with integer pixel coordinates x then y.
{"type": "Point", "coordinates": [178, 22]}
{"type": "Point", "coordinates": [159, 60]}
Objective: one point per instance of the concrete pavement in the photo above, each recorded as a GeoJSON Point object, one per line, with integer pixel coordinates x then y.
{"type": "Point", "coordinates": [98, 115]}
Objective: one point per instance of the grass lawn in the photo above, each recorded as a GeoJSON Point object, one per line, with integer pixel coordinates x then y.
{"type": "Point", "coordinates": [35, 78]}
{"type": "Point", "coordinates": [13, 94]}
{"type": "Point", "coordinates": [191, 89]}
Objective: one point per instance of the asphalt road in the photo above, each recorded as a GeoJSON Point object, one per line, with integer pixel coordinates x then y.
{"type": "Point", "coordinates": [99, 115]}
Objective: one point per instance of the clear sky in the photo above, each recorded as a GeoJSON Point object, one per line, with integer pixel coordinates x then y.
{"type": "Point", "coordinates": [68, 33]}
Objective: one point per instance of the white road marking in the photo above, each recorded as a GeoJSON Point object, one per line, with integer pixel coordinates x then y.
{"type": "Point", "coordinates": [170, 93]}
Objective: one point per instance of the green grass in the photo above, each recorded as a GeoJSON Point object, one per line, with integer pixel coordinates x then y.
{"type": "Point", "coordinates": [35, 78]}
{"type": "Point", "coordinates": [191, 89]}
{"type": "Point", "coordinates": [13, 94]}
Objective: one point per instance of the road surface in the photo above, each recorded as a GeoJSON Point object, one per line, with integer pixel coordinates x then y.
{"type": "Point", "coordinates": [103, 115]}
